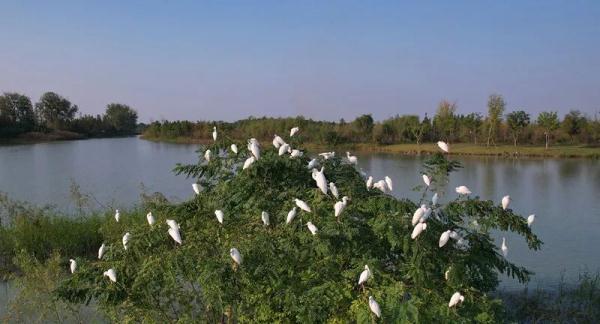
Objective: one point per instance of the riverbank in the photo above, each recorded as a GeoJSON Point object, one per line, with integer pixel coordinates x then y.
{"type": "Point", "coordinates": [558, 151]}
{"type": "Point", "coordinates": [55, 136]}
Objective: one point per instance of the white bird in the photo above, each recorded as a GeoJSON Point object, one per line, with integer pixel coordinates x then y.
{"type": "Point", "coordinates": [374, 307]}
{"type": "Point", "coordinates": [294, 130]}
{"type": "Point", "coordinates": [196, 188]}
{"type": "Point", "coordinates": [117, 215]}
{"type": "Point", "coordinates": [219, 214]}
{"type": "Point", "coordinates": [248, 162]}
{"type": "Point", "coordinates": [265, 218]}
{"type": "Point", "coordinates": [236, 256]}
{"type": "Point", "coordinates": [101, 250]}
{"type": "Point", "coordinates": [334, 190]}
{"type": "Point", "coordinates": [381, 185]}
{"type": "Point", "coordinates": [172, 223]}
{"type": "Point", "coordinates": [175, 235]}
{"type": "Point", "coordinates": [417, 230]}
{"type": "Point", "coordinates": [296, 153]}
{"type": "Point", "coordinates": [426, 214]}
{"type": "Point", "coordinates": [339, 206]}
{"type": "Point", "coordinates": [427, 180]}
{"type": "Point", "coordinates": [126, 240]}
{"type": "Point", "coordinates": [327, 155]}
{"type": "Point", "coordinates": [444, 238]}
{"type": "Point", "coordinates": [388, 182]}
{"type": "Point", "coordinates": [369, 182]}
{"type": "Point", "coordinates": [364, 275]}
{"type": "Point", "coordinates": [302, 205]}
{"type": "Point", "coordinates": [214, 133]}
{"type": "Point", "coordinates": [284, 148]}
{"type": "Point", "coordinates": [504, 248]}
{"type": "Point", "coordinates": [111, 274]}
{"type": "Point", "coordinates": [505, 201]}
{"type": "Point", "coordinates": [351, 158]}
{"type": "Point", "coordinates": [455, 299]}
{"type": "Point", "coordinates": [447, 274]}
{"type": "Point", "coordinates": [443, 146]}
{"type": "Point", "coordinates": [312, 228]}
{"type": "Point", "coordinates": [290, 216]}
{"type": "Point", "coordinates": [417, 215]}
{"type": "Point", "coordinates": [319, 177]}
{"type": "Point", "coordinates": [73, 265]}
{"type": "Point", "coordinates": [234, 148]}
{"type": "Point", "coordinates": [254, 147]}
{"type": "Point", "coordinates": [530, 219]}
{"type": "Point", "coordinates": [463, 190]}
{"type": "Point", "coordinates": [434, 199]}
{"type": "Point", "coordinates": [150, 218]}
{"type": "Point", "coordinates": [277, 141]}
{"type": "Point", "coordinates": [207, 155]}
{"type": "Point", "coordinates": [453, 235]}
{"type": "Point", "coordinates": [312, 164]}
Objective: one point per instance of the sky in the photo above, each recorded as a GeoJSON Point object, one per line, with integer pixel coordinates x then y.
{"type": "Point", "coordinates": [227, 60]}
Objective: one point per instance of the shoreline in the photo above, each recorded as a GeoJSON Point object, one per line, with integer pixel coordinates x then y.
{"type": "Point", "coordinates": [38, 138]}
{"type": "Point", "coordinates": [460, 149]}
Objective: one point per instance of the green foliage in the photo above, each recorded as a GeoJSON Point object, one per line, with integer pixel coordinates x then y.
{"type": "Point", "coordinates": [16, 114]}
{"type": "Point", "coordinates": [517, 121]}
{"type": "Point", "coordinates": [444, 121]}
{"type": "Point", "coordinates": [287, 274]}
{"type": "Point", "coordinates": [496, 106]}
{"type": "Point", "coordinates": [121, 118]}
{"type": "Point", "coordinates": [55, 111]}
{"type": "Point", "coordinates": [548, 120]}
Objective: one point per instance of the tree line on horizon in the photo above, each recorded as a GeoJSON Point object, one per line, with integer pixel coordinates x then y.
{"type": "Point", "coordinates": [498, 127]}
{"type": "Point", "coordinates": [54, 114]}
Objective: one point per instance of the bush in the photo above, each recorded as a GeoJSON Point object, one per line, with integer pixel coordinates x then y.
{"type": "Point", "coordinates": [290, 275]}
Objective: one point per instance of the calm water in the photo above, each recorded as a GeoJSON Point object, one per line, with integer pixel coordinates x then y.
{"type": "Point", "coordinates": [564, 194]}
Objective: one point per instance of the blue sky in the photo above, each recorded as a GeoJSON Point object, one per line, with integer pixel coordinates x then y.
{"type": "Point", "coordinates": [227, 60]}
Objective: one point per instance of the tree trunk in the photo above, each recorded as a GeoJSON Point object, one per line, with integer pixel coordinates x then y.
{"type": "Point", "coordinates": [547, 139]}
{"type": "Point", "coordinates": [515, 139]}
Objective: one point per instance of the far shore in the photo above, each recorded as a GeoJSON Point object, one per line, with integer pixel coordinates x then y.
{"type": "Point", "coordinates": [508, 151]}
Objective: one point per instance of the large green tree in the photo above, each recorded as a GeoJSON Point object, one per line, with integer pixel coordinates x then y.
{"type": "Point", "coordinates": [122, 118]}
{"type": "Point", "coordinates": [444, 121]}
{"type": "Point", "coordinates": [548, 121]}
{"type": "Point", "coordinates": [16, 114]}
{"type": "Point", "coordinates": [517, 121]}
{"type": "Point", "coordinates": [496, 106]}
{"type": "Point", "coordinates": [55, 111]}
{"type": "Point", "coordinates": [363, 127]}
{"type": "Point", "coordinates": [573, 124]}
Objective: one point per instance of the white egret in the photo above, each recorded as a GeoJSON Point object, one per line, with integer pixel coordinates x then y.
{"type": "Point", "coordinates": [236, 256]}
{"type": "Point", "coordinates": [434, 199]}
{"type": "Point", "coordinates": [277, 141]}
{"type": "Point", "coordinates": [248, 162]}
{"type": "Point", "coordinates": [234, 148]}
{"type": "Point", "coordinates": [327, 155]}
{"type": "Point", "coordinates": [175, 235]}
{"type": "Point", "coordinates": [290, 216]}
{"type": "Point", "coordinates": [117, 215]}
{"type": "Point", "coordinates": [463, 190]}
{"type": "Point", "coordinates": [111, 274]}
{"type": "Point", "coordinates": [220, 215]}
{"type": "Point", "coordinates": [101, 251]}
{"type": "Point", "coordinates": [453, 235]}
{"type": "Point", "coordinates": [443, 146]}
{"type": "Point", "coordinates": [319, 177]}
{"type": "Point", "coordinates": [73, 265]}
{"type": "Point", "coordinates": [388, 182]}
{"type": "Point", "coordinates": [374, 307]}
{"type": "Point", "coordinates": [196, 188]}
{"type": "Point", "coordinates": [150, 218]}
{"type": "Point", "coordinates": [126, 238]}
{"type": "Point", "coordinates": [296, 153]}
{"type": "Point", "coordinates": [334, 190]}
{"type": "Point", "coordinates": [351, 158]}
{"type": "Point", "coordinates": [339, 206]}
{"type": "Point", "coordinates": [417, 230]}
{"type": "Point", "coordinates": [214, 133]}
{"type": "Point", "coordinates": [418, 214]}
{"type": "Point", "coordinates": [455, 299]}
{"type": "Point", "coordinates": [207, 155]}
{"type": "Point", "coordinates": [284, 148]}
{"type": "Point", "coordinates": [444, 238]}
{"type": "Point", "coordinates": [381, 185]}
{"type": "Point", "coordinates": [369, 182]}
{"type": "Point", "coordinates": [364, 275]}
{"type": "Point", "coordinates": [265, 218]}
{"type": "Point", "coordinates": [254, 147]}
{"type": "Point", "coordinates": [505, 201]}
{"type": "Point", "coordinates": [312, 228]}
{"type": "Point", "coordinates": [172, 223]}
{"type": "Point", "coordinates": [504, 248]}
{"type": "Point", "coordinates": [312, 164]}
{"type": "Point", "coordinates": [302, 205]}
{"type": "Point", "coordinates": [530, 219]}
{"type": "Point", "coordinates": [426, 213]}
{"type": "Point", "coordinates": [427, 180]}
{"type": "Point", "coordinates": [294, 130]}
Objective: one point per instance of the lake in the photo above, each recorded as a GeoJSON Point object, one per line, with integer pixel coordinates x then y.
{"type": "Point", "coordinates": [563, 193]}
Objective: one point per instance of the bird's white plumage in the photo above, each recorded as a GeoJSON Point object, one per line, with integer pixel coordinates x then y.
{"type": "Point", "coordinates": [73, 265]}
{"type": "Point", "coordinates": [426, 213]}
{"type": "Point", "coordinates": [236, 256]}
{"type": "Point", "coordinates": [248, 162]}
{"type": "Point", "coordinates": [290, 216]}
{"type": "Point", "coordinates": [265, 218]}
{"type": "Point", "coordinates": [463, 190]}
{"type": "Point", "coordinates": [277, 141]}
{"type": "Point", "coordinates": [172, 223]}
{"type": "Point", "coordinates": [530, 219]}
{"type": "Point", "coordinates": [125, 240]}
{"type": "Point", "coordinates": [327, 155]}
{"type": "Point", "coordinates": [417, 230]}
{"type": "Point", "coordinates": [364, 275]}
{"type": "Point", "coordinates": [284, 148]}
{"type": "Point", "coordinates": [504, 248]}
{"type": "Point", "coordinates": [427, 180]}
{"type": "Point", "coordinates": [456, 299]}
{"type": "Point", "coordinates": [220, 215]}
{"type": "Point", "coordinates": [207, 155]}
{"type": "Point", "coordinates": [417, 215]}
{"type": "Point", "coordinates": [334, 190]}
{"type": "Point", "coordinates": [175, 235]}
{"type": "Point", "coordinates": [117, 215]}
{"type": "Point", "coordinates": [351, 158]}
{"type": "Point", "coordinates": [234, 148]}
{"type": "Point", "coordinates": [312, 164]}
{"type": "Point", "coordinates": [214, 133]}
{"type": "Point", "coordinates": [294, 130]}
{"type": "Point", "coordinates": [101, 251]}
{"type": "Point", "coordinates": [369, 182]}
{"type": "Point", "coordinates": [388, 182]}
{"type": "Point", "coordinates": [150, 218]}
{"type": "Point", "coordinates": [111, 274]}
{"type": "Point", "coordinates": [196, 188]}
{"type": "Point", "coordinates": [312, 228]}
{"type": "Point", "coordinates": [443, 146]}
{"type": "Point", "coordinates": [319, 177]}
{"type": "Point", "coordinates": [302, 205]}
{"type": "Point", "coordinates": [374, 306]}
{"type": "Point", "coordinates": [254, 147]}
{"type": "Point", "coordinates": [447, 274]}
{"type": "Point", "coordinates": [505, 202]}
{"type": "Point", "coordinates": [339, 206]}
{"type": "Point", "coordinates": [295, 153]}
{"type": "Point", "coordinates": [434, 199]}
{"type": "Point", "coordinates": [381, 185]}
{"type": "Point", "coordinates": [444, 238]}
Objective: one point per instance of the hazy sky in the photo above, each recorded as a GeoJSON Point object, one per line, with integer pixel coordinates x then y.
{"type": "Point", "coordinates": [322, 59]}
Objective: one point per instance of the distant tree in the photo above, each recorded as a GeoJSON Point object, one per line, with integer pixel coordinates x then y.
{"type": "Point", "coordinates": [472, 122]}
{"type": "Point", "coordinates": [363, 125]}
{"type": "Point", "coordinates": [444, 121]}
{"type": "Point", "coordinates": [54, 111]}
{"type": "Point", "coordinates": [573, 124]}
{"type": "Point", "coordinates": [517, 121]}
{"type": "Point", "coordinates": [548, 121]}
{"type": "Point", "coordinates": [16, 113]}
{"type": "Point", "coordinates": [496, 106]}
{"type": "Point", "coordinates": [122, 118]}
{"type": "Point", "coordinates": [384, 133]}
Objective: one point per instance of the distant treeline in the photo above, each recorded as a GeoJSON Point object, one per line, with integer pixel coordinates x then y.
{"type": "Point", "coordinates": [498, 127]}
{"type": "Point", "coordinates": [54, 114]}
